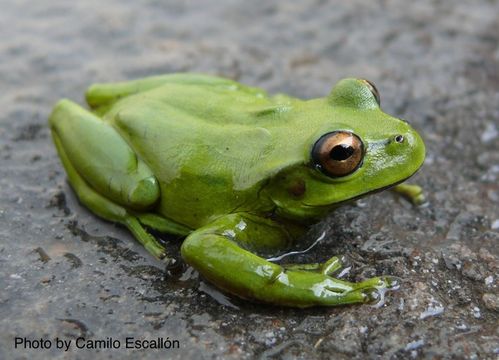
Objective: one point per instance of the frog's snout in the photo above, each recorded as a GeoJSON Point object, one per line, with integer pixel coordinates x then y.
{"type": "Point", "coordinates": [414, 147]}
{"type": "Point", "coordinates": [419, 148]}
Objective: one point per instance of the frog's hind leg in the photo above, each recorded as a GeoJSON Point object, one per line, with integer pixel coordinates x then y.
{"type": "Point", "coordinates": [103, 158]}
{"type": "Point", "coordinates": [99, 162]}
{"type": "Point", "coordinates": [103, 95]}
{"type": "Point", "coordinates": [162, 224]}
{"type": "Point", "coordinates": [105, 208]}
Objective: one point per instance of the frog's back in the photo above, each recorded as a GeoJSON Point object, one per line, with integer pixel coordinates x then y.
{"type": "Point", "coordinates": [188, 91]}
{"type": "Point", "coordinates": [211, 147]}
{"type": "Point", "coordinates": [220, 103]}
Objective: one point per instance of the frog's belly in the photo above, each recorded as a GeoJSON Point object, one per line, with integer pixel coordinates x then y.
{"type": "Point", "coordinates": [197, 201]}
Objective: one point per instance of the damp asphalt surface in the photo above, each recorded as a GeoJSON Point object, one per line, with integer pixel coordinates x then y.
{"type": "Point", "coordinates": [66, 274]}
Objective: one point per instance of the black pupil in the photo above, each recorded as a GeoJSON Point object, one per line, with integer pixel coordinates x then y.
{"type": "Point", "coordinates": [341, 152]}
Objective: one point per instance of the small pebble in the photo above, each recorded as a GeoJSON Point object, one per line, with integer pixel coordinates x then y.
{"type": "Point", "coordinates": [491, 301]}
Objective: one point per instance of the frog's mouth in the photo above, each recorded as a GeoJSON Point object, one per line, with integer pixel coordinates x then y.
{"type": "Point", "coordinates": [358, 196]}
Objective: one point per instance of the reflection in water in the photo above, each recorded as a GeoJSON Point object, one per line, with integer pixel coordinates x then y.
{"type": "Point", "coordinates": [216, 295]}
{"type": "Point", "coordinates": [280, 257]}
{"type": "Point", "coordinates": [379, 294]}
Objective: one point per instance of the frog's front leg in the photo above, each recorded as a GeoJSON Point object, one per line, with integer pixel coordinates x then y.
{"type": "Point", "coordinates": [101, 96]}
{"type": "Point", "coordinates": [219, 252]}
{"type": "Point", "coordinates": [413, 193]}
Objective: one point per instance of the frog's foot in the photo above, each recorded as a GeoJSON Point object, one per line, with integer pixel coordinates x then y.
{"type": "Point", "coordinates": [334, 291]}
{"type": "Point", "coordinates": [147, 240]}
{"type": "Point", "coordinates": [215, 252]}
{"type": "Point", "coordinates": [413, 193]}
{"type": "Point", "coordinates": [101, 96]}
{"type": "Point", "coordinates": [374, 289]}
{"type": "Point", "coordinates": [371, 290]}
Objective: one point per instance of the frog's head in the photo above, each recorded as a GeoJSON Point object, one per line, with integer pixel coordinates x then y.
{"type": "Point", "coordinates": [354, 149]}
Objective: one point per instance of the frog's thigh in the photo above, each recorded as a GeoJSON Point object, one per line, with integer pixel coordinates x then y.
{"type": "Point", "coordinates": [102, 158]}
{"type": "Point", "coordinates": [104, 207]}
{"type": "Point", "coordinates": [99, 95]}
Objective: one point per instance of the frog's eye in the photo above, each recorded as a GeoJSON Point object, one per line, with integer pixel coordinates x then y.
{"type": "Point", "coordinates": [373, 89]}
{"type": "Point", "coordinates": [338, 153]}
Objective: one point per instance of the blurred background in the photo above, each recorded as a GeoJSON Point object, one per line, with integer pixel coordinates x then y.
{"type": "Point", "coordinates": [64, 273]}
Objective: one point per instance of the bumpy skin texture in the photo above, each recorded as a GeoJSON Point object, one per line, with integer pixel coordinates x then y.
{"type": "Point", "coordinates": [231, 168]}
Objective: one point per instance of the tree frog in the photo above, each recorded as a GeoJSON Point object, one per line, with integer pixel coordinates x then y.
{"type": "Point", "coordinates": [240, 174]}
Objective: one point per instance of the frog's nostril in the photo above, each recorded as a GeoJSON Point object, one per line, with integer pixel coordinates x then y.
{"type": "Point", "coordinates": [399, 138]}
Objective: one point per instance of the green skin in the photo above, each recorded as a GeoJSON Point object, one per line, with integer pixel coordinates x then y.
{"type": "Point", "coordinates": [230, 168]}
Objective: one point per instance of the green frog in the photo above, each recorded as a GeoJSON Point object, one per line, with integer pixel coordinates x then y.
{"type": "Point", "coordinates": [238, 173]}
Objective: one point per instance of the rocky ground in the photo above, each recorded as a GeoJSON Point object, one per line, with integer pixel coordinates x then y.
{"type": "Point", "coordinates": [66, 274]}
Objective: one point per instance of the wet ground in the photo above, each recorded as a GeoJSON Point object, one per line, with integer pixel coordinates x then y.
{"type": "Point", "coordinates": [66, 274]}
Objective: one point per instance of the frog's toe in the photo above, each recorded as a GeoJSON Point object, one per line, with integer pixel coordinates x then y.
{"type": "Point", "coordinates": [381, 282]}
{"type": "Point", "coordinates": [375, 289]}
{"type": "Point", "coordinates": [332, 265]}
{"type": "Point", "coordinates": [151, 245]}
{"type": "Point", "coordinates": [413, 193]}
{"type": "Point", "coordinates": [416, 197]}
{"type": "Point", "coordinates": [390, 282]}
{"type": "Point", "coordinates": [335, 297]}
{"type": "Point", "coordinates": [419, 199]}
